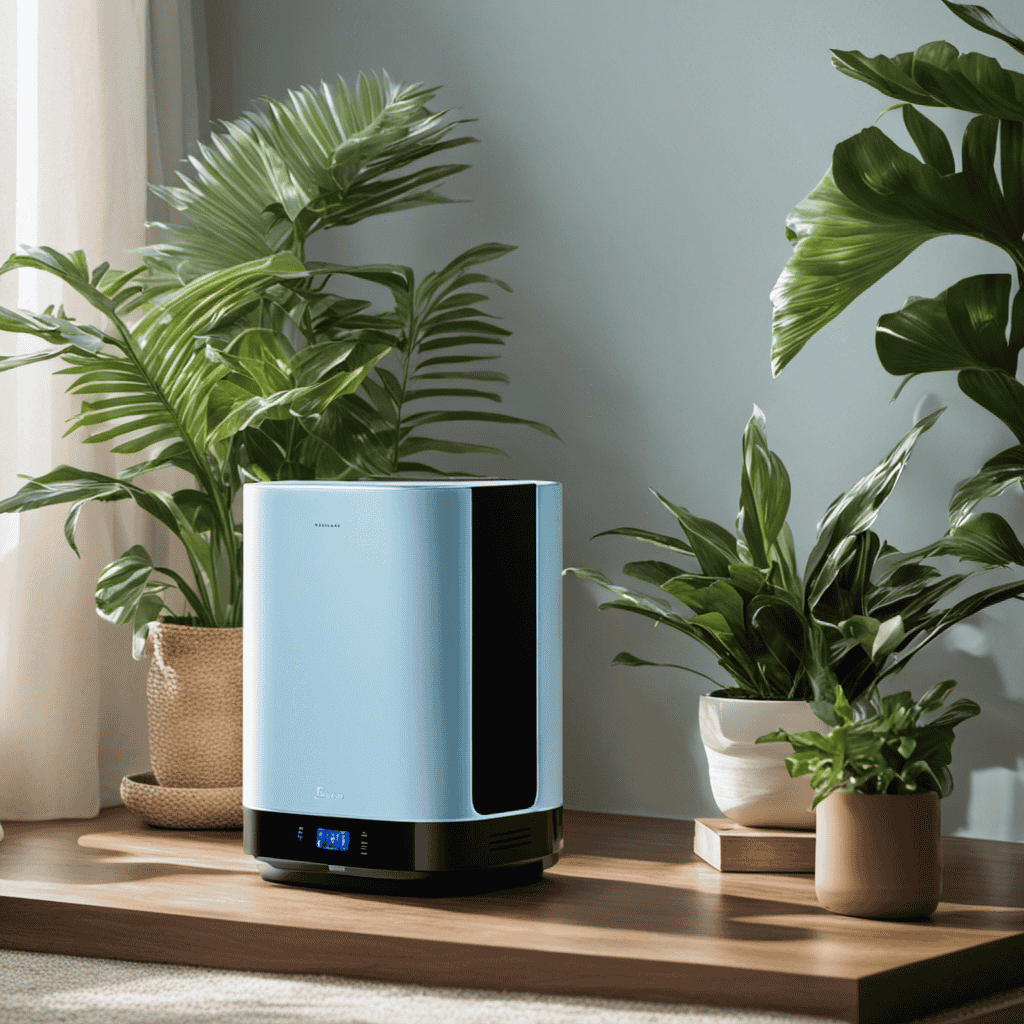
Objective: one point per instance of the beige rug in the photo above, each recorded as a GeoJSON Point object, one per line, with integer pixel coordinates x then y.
{"type": "Point", "coordinates": [43, 987]}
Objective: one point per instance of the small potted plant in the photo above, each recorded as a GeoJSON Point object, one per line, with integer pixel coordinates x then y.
{"type": "Point", "coordinates": [878, 776]}
{"type": "Point", "coordinates": [860, 612]}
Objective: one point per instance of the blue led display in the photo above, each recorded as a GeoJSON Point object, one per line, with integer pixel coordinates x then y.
{"type": "Point", "coordinates": [330, 839]}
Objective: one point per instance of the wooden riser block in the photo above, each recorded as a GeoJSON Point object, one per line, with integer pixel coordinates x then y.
{"type": "Point", "coordinates": [731, 847]}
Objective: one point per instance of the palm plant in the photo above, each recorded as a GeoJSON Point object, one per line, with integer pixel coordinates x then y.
{"type": "Point", "coordinates": [327, 159]}
{"type": "Point", "coordinates": [877, 203]}
{"type": "Point", "coordinates": [862, 610]}
{"type": "Point", "coordinates": [240, 365]}
{"type": "Point", "coordinates": [157, 387]}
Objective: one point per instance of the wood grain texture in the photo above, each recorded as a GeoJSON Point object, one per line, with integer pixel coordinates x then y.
{"type": "Point", "coordinates": [727, 846]}
{"type": "Point", "coordinates": [630, 912]}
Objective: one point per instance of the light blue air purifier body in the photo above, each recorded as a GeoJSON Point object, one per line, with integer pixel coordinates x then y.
{"type": "Point", "coordinates": [402, 697]}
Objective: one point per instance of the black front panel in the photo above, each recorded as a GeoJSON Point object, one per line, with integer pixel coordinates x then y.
{"type": "Point", "coordinates": [402, 846]}
{"type": "Point", "coordinates": [504, 648]}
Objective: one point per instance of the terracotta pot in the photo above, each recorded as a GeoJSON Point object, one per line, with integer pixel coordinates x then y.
{"type": "Point", "coordinates": [878, 856]}
{"type": "Point", "coordinates": [194, 693]}
{"type": "Point", "coordinates": [750, 782]}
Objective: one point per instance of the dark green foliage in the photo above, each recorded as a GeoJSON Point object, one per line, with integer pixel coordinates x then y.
{"type": "Point", "coordinates": [880, 746]}
{"type": "Point", "coordinates": [860, 612]}
{"type": "Point", "coordinates": [243, 366]}
{"type": "Point", "coordinates": [877, 203]}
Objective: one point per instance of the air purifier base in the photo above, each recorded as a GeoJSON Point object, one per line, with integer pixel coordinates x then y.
{"type": "Point", "coordinates": [405, 883]}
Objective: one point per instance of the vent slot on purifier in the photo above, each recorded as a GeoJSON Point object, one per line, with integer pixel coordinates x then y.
{"type": "Point", "coordinates": [510, 839]}
{"type": "Point", "coordinates": [504, 659]}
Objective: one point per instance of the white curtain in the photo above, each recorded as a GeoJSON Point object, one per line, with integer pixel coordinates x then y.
{"type": "Point", "coordinates": [96, 97]}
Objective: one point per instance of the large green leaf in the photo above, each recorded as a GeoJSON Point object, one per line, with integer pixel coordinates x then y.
{"type": "Point", "coordinates": [854, 512]}
{"type": "Point", "coordinates": [323, 158]}
{"type": "Point", "coordinates": [713, 546]}
{"type": "Point", "coordinates": [311, 400]}
{"type": "Point", "coordinates": [998, 474]}
{"type": "Point", "coordinates": [435, 316]}
{"type": "Point", "coordinates": [937, 622]}
{"type": "Point", "coordinates": [125, 592]}
{"type": "Point", "coordinates": [652, 571]}
{"type": "Point", "coordinates": [981, 19]}
{"type": "Point", "coordinates": [962, 328]}
{"type": "Point", "coordinates": [874, 207]}
{"type": "Point", "coordinates": [68, 484]}
{"type": "Point", "coordinates": [987, 538]}
{"type": "Point", "coordinates": [718, 597]}
{"type": "Point", "coordinates": [938, 75]}
{"type": "Point", "coordinates": [112, 292]}
{"type": "Point", "coordinates": [999, 392]}
{"type": "Point", "coordinates": [764, 494]}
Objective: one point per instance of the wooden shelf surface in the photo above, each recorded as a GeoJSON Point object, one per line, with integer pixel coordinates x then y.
{"type": "Point", "coordinates": [629, 912]}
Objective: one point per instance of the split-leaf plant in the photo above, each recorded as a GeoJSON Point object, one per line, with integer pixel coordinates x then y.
{"type": "Point", "coordinates": [860, 612]}
{"type": "Point", "coordinates": [877, 203]}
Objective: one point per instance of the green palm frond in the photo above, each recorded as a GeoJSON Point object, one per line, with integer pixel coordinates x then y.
{"type": "Point", "coordinates": [321, 159]}
{"type": "Point", "coordinates": [153, 385]}
{"type": "Point", "coordinates": [436, 322]}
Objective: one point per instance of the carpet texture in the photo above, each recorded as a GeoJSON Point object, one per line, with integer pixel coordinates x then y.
{"type": "Point", "coordinates": [44, 987]}
{"type": "Point", "coordinates": [38, 987]}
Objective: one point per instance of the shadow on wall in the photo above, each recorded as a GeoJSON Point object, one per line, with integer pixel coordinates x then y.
{"type": "Point", "coordinates": [983, 802]}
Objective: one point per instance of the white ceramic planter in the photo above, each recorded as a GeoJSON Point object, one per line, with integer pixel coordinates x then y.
{"type": "Point", "coordinates": [749, 781]}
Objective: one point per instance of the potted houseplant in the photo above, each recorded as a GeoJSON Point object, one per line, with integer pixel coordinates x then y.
{"type": "Point", "coordinates": [860, 612]}
{"type": "Point", "coordinates": [878, 775]}
{"type": "Point", "coordinates": [877, 203]}
{"type": "Point", "coordinates": [228, 358]}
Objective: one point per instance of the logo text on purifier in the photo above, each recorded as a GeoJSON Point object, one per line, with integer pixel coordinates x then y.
{"type": "Point", "coordinates": [326, 794]}
{"type": "Point", "coordinates": [328, 524]}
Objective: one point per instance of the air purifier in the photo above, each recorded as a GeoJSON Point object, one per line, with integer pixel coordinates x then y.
{"type": "Point", "coordinates": [402, 679]}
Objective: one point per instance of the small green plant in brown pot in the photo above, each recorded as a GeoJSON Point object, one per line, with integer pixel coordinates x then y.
{"type": "Point", "coordinates": [878, 775]}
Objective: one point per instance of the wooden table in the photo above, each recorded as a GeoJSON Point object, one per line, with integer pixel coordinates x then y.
{"type": "Point", "coordinates": [628, 913]}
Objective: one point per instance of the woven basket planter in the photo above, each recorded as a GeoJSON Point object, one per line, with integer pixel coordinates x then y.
{"type": "Point", "coordinates": [194, 694]}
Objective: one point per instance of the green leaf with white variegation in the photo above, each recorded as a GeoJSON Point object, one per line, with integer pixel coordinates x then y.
{"type": "Point", "coordinates": [855, 511]}
{"type": "Point", "coordinates": [997, 475]}
{"type": "Point", "coordinates": [986, 538]}
{"type": "Point", "coordinates": [764, 494]}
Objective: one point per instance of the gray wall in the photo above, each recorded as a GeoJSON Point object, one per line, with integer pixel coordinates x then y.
{"type": "Point", "coordinates": [644, 156]}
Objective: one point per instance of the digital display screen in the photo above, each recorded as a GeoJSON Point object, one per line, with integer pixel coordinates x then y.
{"type": "Point", "coordinates": [331, 839]}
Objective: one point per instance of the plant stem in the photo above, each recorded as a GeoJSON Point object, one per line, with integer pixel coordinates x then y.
{"type": "Point", "coordinates": [410, 335]}
{"type": "Point", "coordinates": [202, 473]}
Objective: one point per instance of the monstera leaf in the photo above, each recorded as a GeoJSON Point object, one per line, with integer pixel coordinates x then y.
{"type": "Point", "coordinates": [878, 203]}
{"type": "Point", "coordinates": [873, 208]}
